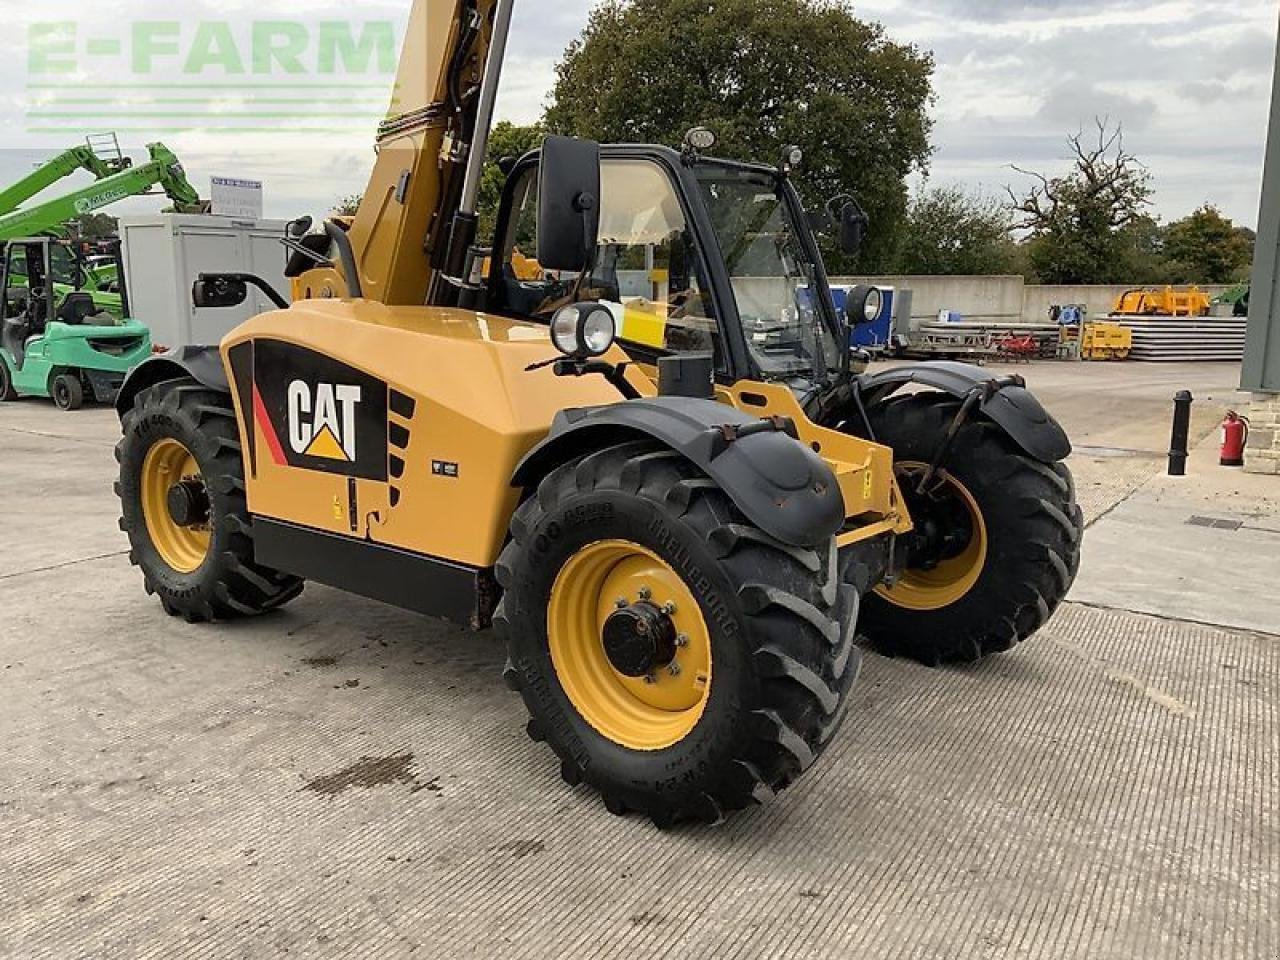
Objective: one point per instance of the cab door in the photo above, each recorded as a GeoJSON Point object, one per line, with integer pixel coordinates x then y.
{"type": "Point", "coordinates": [648, 269]}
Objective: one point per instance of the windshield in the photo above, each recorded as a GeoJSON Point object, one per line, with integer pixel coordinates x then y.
{"type": "Point", "coordinates": [775, 280]}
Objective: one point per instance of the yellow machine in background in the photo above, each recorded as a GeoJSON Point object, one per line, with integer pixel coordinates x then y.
{"type": "Point", "coordinates": [1164, 303]}
{"type": "Point", "coordinates": [1106, 341]}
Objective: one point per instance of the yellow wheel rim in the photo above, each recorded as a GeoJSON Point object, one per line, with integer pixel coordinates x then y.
{"type": "Point", "coordinates": [952, 579]}
{"type": "Point", "coordinates": [184, 548]}
{"type": "Point", "coordinates": [641, 713]}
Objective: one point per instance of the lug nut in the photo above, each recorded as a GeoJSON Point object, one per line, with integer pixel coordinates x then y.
{"type": "Point", "coordinates": [669, 609]}
{"type": "Point", "coordinates": [650, 679]}
{"type": "Point", "coordinates": [674, 669]}
{"type": "Point", "coordinates": [682, 640]}
{"type": "Point", "coordinates": [645, 593]}
{"type": "Point", "coordinates": [621, 603]}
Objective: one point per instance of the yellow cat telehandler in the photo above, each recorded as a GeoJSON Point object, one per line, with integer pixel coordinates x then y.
{"type": "Point", "coordinates": [651, 461]}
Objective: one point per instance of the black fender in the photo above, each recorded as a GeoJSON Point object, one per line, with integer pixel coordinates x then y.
{"type": "Point", "coordinates": [781, 485]}
{"type": "Point", "coordinates": [202, 364]}
{"type": "Point", "coordinates": [1005, 401]}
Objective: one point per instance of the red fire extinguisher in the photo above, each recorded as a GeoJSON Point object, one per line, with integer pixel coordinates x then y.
{"type": "Point", "coordinates": [1235, 437]}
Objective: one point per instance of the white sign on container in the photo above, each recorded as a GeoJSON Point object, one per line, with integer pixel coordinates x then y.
{"type": "Point", "coordinates": [236, 198]}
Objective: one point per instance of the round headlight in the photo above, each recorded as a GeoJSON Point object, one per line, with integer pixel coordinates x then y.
{"type": "Point", "coordinates": [584, 330]}
{"type": "Point", "coordinates": [598, 332]}
{"type": "Point", "coordinates": [564, 330]}
{"type": "Point", "coordinates": [874, 306]}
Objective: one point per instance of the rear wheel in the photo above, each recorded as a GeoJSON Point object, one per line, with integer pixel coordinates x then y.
{"type": "Point", "coordinates": [997, 540]}
{"type": "Point", "coordinates": [676, 658]}
{"type": "Point", "coordinates": [182, 496]}
{"type": "Point", "coordinates": [68, 392]}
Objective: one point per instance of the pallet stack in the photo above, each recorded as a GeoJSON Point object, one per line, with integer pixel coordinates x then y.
{"type": "Point", "coordinates": [1168, 339]}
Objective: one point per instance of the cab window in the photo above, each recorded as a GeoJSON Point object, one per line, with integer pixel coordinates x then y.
{"type": "Point", "coordinates": [646, 267]}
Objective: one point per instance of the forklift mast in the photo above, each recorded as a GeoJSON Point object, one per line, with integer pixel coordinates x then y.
{"type": "Point", "coordinates": [416, 225]}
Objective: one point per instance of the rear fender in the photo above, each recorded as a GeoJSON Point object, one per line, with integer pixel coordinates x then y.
{"type": "Point", "coordinates": [782, 486]}
{"type": "Point", "coordinates": [202, 364]}
{"type": "Point", "coordinates": [1006, 402]}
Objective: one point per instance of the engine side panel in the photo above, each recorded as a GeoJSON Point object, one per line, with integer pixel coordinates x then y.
{"type": "Point", "coordinates": [397, 426]}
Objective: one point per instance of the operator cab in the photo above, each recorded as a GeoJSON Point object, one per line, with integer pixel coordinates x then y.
{"type": "Point", "coordinates": [694, 256]}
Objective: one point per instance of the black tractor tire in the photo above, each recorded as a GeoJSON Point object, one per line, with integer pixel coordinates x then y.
{"type": "Point", "coordinates": [1034, 527]}
{"type": "Point", "coordinates": [68, 392]}
{"type": "Point", "coordinates": [781, 625]}
{"type": "Point", "coordinates": [8, 393]}
{"type": "Point", "coordinates": [229, 584]}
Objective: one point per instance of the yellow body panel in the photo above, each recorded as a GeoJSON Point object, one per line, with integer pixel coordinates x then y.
{"type": "Point", "coordinates": [864, 470]}
{"type": "Point", "coordinates": [477, 407]}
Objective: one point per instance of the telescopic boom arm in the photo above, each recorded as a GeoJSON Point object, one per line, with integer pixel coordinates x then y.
{"type": "Point", "coordinates": [60, 167]}
{"type": "Point", "coordinates": [162, 170]}
{"type": "Point", "coordinates": [416, 223]}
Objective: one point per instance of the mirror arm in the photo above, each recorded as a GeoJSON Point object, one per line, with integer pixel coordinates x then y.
{"type": "Point", "coordinates": [347, 255]}
{"type": "Point", "coordinates": [252, 281]}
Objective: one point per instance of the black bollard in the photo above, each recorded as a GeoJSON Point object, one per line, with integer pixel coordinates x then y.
{"type": "Point", "coordinates": [1178, 452]}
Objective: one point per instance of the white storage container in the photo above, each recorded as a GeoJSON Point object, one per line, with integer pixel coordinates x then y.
{"type": "Point", "coordinates": [163, 255]}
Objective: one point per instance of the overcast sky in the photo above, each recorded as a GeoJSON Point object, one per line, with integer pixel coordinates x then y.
{"type": "Point", "coordinates": [1189, 80]}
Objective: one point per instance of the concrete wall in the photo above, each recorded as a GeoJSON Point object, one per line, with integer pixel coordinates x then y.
{"type": "Point", "coordinates": [999, 299]}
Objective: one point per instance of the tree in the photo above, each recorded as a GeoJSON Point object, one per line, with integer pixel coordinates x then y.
{"type": "Point", "coordinates": [348, 206]}
{"type": "Point", "coordinates": [1207, 247]}
{"type": "Point", "coordinates": [1077, 222]}
{"type": "Point", "coordinates": [950, 232]}
{"type": "Point", "coordinates": [507, 141]}
{"type": "Point", "coordinates": [762, 74]}
{"type": "Point", "coordinates": [96, 226]}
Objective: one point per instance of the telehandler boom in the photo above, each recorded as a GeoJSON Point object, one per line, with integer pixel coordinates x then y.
{"type": "Point", "coordinates": [652, 464]}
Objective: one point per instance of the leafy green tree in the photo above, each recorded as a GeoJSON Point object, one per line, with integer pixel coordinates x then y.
{"type": "Point", "coordinates": [762, 74]}
{"type": "Point", "coordinates": [95, 226]}
{"type": "Point", "coordinates": [950, 232]}
{"type": "Point", "coordinates": [1207, 247]}
{"type": "Point", "coordinates": [1078, 223]}
{"type": "Point", "coordinates": [507, 141]}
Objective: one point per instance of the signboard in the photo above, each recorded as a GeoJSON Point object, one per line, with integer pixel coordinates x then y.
{"type": "Point", "coordinates": [236, 198]}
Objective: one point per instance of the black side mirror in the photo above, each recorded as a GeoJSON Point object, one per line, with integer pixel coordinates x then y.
{"type": "Point", "coordinates": [219, 292]}
{"type": "Point", "coordinates": [854, 223]}
{"type": "Point", "coordinates": [568, 203]}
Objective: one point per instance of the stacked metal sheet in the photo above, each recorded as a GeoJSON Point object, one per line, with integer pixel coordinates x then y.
{"type": "Point", "coordinates": [1186, 338]}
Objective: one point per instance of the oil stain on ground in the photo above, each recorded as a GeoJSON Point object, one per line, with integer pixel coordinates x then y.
{"type": "Point", "coordinates": [370, 773]}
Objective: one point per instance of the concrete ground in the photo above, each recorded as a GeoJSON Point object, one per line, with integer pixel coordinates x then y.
{"type": "Point", "coordinates": [348, 780]}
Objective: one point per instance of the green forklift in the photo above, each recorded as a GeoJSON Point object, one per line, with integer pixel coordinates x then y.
{"type": "Point", "coordinates": [56, 342]}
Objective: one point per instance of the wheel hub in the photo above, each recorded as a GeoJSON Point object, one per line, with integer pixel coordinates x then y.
{"type": "Point", "coordinates": [639, 639]}
{"type": "Point", "coordinates": [188, 503]}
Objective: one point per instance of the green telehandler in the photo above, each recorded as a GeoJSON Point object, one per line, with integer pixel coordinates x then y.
{"type": "Point", "coordinates": [118, 179]}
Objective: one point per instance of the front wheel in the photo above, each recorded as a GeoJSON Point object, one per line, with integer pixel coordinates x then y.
{"type": "Point", "coordinates": [675, 657]}
{"type": "Point", "coordinates": [997, 540]}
